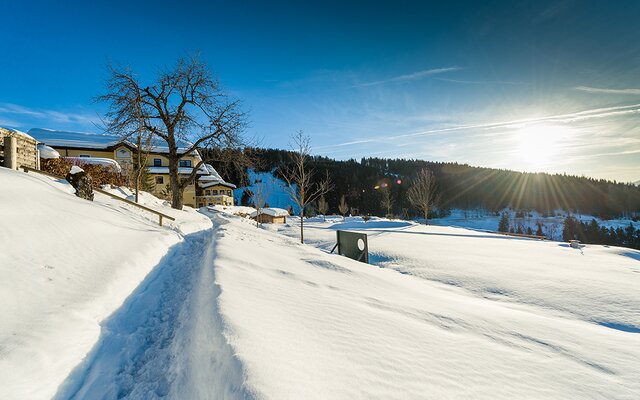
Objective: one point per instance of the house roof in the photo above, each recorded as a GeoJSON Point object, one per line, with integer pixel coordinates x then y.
{"type": "Point", "coordinates": [207, 175]}
{"type": "Point", "coordinates": [274, 212]}
{"type": "Point", "coordinates": [181, 170]}
{"type": "Point", "coordinates": [213, 178]}
{"type": "Point", "coordinates": [98, 141]}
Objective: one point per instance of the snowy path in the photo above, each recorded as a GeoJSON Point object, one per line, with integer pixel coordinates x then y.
{"type": "Point", "coordinates": [166, 340]}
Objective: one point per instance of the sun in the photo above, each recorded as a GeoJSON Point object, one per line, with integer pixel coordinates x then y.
{"type": "Point", "coordinates": [537, 145]}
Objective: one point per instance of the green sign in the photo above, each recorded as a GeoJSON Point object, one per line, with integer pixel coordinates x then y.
{"type": "Point", "coordinates": [353, 245]}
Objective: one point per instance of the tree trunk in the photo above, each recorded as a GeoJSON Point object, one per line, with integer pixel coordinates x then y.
{"type": "Point", "coordinates": [138, 167]}
{"type": "Point", "coordinates": [174, 183]}
{"type": "Point", "coordinates": [426, 212]}
{"type": "Point", "coordinates": [302, 225]}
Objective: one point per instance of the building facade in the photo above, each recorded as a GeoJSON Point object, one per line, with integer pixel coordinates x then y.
{"type": "Point", "coordinates": [208, 189]}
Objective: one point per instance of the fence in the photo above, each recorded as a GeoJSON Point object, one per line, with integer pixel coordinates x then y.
{"type": "Point", "coordinates": [18, 149]}
{"type": "Point", "coordinates": [113, 196]}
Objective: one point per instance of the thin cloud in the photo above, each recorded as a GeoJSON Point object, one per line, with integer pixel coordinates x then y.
{"type": "Point", "coordinates": [588, 89]}
{"type": "Point", "coordinates": [596, 113]}
{"type": "Point", "coordinates": [410, 77]}
{"type": "Point", "coordinates": [482, 82]}
{"type": "Point", "coordinates": [49, 115]}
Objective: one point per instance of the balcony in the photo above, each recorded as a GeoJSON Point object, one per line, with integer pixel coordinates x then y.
{"type": "Point", "coordinates": [217, 200]}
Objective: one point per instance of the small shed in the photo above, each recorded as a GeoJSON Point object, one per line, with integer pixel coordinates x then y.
{"type": "Point", "coordinates": [271, 215]}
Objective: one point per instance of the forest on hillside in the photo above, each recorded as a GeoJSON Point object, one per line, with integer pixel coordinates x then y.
{"type": "Point", "coordinates": [459, 186]}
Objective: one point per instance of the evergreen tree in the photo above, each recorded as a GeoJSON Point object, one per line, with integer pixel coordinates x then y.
{"type": "Point", "coordinates": [503, 225]}
{"type": "Point", "coordinates": [245, 199]}
{"type": "Point", "coordinates": [539, 231]}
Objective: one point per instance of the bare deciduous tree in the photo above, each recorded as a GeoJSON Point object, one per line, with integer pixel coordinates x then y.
{"type": "Point", "coordinates": [422, 193]}
{"type": "Point", "coordinates": [323, 207]}
{"type": "Point", "coordinates": [184, 103]}
{"type": "Point", "coordinates": [260, 193]}
{"type": "Point", "coordinates": [343, 207]}
{"type": "Point", "coordinates": [387, 200]}
{"type": "Point", "coordinates": [299, 178]}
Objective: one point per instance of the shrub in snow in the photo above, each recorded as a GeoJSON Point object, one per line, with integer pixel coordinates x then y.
{"type": "Point", "coordinates": [81, 181]}
{"type": "Point", "coordinates": [56, 166]}
{"type": "Point", "coordinates": [100, 174]}
{"type": "Point", "coordinates": [104, 175]}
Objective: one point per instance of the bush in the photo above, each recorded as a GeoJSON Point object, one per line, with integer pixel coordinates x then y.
{"type": "Point", "coordinates": [100, 174]}
{"type": "Point", "coordinates": [56, 166]}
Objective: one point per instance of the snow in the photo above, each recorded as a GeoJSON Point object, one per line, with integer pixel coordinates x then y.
{"type": "Point", "coordinates": [66, 264]}
{"type": "Point", "coordinates": [17, 132]}
{"type": "Point", "coordinates": [451, 313]}
{"type": "Point", "coordinates": [92, 140]}
{"type": "Point", "coordinates": [188, 220]}
{"type": "Point", "coordinates": [75, 170]}
{"type": "Point", "coordinates": [233, 210]}
{"type": "Point", "coordinates": [274, 212]}
{"type": "Point", "coordinates": [105, 162]}
{"type": "Point", "coordinates": [47, 152]}
{"type": "Point", "coordinates": [110, 305]}
{"type": "Point", "coordinates": [212, 178]}
{"type": "Point", "coordinates": [274, 188]}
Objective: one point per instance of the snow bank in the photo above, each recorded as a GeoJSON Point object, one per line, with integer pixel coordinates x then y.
{"type": "Point", "coordinates": [47, 152]}
{"type": "Point", "coordinates": [188, 220]}
{"type": "Point", "coordinates": [105, 162]}
{"type": "Point", "coordinates": [66, 264]}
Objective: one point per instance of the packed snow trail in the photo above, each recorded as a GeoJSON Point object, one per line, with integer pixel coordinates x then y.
{"type": "Point", "coordinates": [167, 340]}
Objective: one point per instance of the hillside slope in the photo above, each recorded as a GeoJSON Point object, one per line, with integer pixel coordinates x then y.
{"type": "Point", "coordinates": [66, 264]}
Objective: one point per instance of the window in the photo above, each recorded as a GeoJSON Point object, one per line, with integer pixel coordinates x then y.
{"type": "Point", "coordinates": [207, 192]}
{"type": "Point", "coordinates": [215, 192]}
{"type": "Point", "coordinates": [157, 162]}
{"type": "Point", "coordinates": [84, 155]}
{"type": "Point", "coordinates": [159, 180]}
{"type": "Point", "coordinates": [228, 192]}
{"type": "Point", "coordinates": [185, 163]}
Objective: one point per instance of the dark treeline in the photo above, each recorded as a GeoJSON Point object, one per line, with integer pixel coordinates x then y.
{"type": "Point", "coordinates": [591, 232]}
{"type": "Point", "coordinates": [459, 185]}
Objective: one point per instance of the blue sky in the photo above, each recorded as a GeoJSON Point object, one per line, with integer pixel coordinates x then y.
{"type": "Point", "coordinates": [525, 85]}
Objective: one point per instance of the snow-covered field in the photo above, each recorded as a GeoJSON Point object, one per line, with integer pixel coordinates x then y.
{"type": "Point", "coordinates": [453, 314]}
{"type": "Point", "coordinates": [98, 301]}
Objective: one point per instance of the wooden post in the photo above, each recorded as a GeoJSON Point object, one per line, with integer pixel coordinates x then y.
{"type": "Point", "coordinates": [160, 219]}
{"type": "Point", "coordinates": [10, 152]}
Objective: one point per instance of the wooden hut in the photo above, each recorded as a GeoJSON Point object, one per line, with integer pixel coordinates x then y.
{"type": "Point", "coordinates": [271, 216]}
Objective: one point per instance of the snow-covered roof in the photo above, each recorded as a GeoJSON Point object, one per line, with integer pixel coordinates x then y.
{"type": "Point", "coordinates": [212, 178]}
{"type": "Point", "coordinates": [206, 184]}
{"type": "Point", "coordinates": [99, 141]}
{"type": "Point", "coordinates": [181, 170]}
{"type": "Point", "coordinates": [274, 212]}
